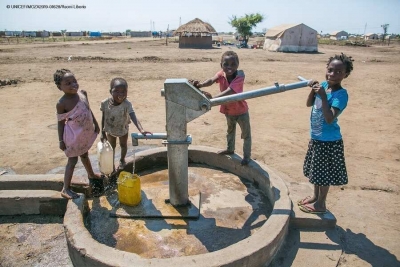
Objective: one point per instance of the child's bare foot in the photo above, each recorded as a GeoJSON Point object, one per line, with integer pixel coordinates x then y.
{"type": "Point", "coordinates": [69, 194]}
{"type": "Point", "coordinates": [306, 200]}
{"type": "Point", "coordinates": [96, 176]}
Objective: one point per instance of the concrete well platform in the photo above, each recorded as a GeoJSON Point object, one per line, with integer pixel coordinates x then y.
{"type": "Point", "coordinates": [36, 194]}
{"type": "Point", "coordinates": [257, 249]}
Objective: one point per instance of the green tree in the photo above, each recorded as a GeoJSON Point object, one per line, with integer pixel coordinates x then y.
{"type": "Point", "coordinates": [245, 24]}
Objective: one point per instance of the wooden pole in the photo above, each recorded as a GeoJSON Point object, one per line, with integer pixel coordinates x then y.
{"type": "Point", "coordinates": [166, 36]}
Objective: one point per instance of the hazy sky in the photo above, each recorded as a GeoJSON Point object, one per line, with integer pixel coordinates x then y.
{"type": "Point", "coordinates": [119, 15]}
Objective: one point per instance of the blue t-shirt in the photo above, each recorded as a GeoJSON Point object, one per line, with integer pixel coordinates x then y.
{"type": "Point", "coordinates": [320, 129]}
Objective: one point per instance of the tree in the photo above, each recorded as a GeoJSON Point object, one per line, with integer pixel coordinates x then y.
{"type": "Point", "coordinates": [245, 24]}
{"type": "Point", "coordinates": [385, 28]}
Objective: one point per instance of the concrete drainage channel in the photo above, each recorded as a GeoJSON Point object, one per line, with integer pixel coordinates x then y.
{"type": "Point", "coordinates": [256, 250]}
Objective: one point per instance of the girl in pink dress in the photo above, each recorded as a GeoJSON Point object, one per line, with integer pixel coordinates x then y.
{"type": "Point", "coordinates": [77, 127]}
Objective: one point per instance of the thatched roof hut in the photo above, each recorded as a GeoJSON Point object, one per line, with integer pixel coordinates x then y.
{"type": "Point", "coordinates": [195, 34]}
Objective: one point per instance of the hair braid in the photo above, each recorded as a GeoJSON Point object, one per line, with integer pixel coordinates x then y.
{"type": "Point", "coordinates": [59, 75]}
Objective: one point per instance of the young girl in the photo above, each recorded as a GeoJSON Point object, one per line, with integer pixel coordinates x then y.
{"type": "Point", "coordinates": [117, 114]}
{"type": "Point", "coordinates": [77, 127]}
{"type": "Point", "coordinates": [324, 163]}
{"type": "Point", "coordinates": [231, 81]}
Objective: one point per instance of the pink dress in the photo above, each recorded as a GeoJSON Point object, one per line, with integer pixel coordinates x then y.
{"type": "Point", "coordinates": [79, 134]}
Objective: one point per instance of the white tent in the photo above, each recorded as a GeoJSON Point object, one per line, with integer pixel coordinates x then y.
{"type": "Point", "coordinates": [339, 35]}
{"type": "Point", "coordinates": [291, 38]}
{"type": "Point", "coordinates": [371, 36]}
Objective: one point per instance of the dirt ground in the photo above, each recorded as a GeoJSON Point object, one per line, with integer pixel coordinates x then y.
{"type": "Point", "coordinates": [367, 209]}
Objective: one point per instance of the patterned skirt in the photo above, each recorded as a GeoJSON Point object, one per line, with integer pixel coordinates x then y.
{"type": "Point", "coordinates": [324, 164]}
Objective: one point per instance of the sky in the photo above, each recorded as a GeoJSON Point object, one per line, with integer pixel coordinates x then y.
{"type": "Point", "coordinates": [353, 16]}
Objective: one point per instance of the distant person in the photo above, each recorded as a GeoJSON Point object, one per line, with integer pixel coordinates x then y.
{"type": "Point", "coordinates": [324, 164]}
{"type": "Point", "coordinates": [117, 114]}
{"type": "Point", "coordinates": [231, 81]}
{"type": "Point", "coordinates": [77, 127]}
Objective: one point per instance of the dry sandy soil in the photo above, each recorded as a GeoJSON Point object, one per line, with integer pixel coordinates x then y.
{"type": "Point", "coordinates": [367, 209]}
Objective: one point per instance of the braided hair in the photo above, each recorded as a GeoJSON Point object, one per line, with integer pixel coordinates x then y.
{"type": "Point", "coordinates": [347, 61]}
{"type": "Point", "coordinates": [59, 75]}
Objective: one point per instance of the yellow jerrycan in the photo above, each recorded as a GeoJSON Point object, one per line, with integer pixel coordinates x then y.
{"type": "Point", "coordinates": [129, 192]}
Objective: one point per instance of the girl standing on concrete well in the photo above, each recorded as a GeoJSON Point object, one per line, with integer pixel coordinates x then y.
{"type": "Point", "coordinates": [324, 164]}
{"type": "Point", "coordinates": [77, 127]}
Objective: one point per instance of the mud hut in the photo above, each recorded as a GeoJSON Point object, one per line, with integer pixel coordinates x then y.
{"type": "Point", "coordinates": [291, 38]}
{"type": "Point", "coordinates": [195, 34]}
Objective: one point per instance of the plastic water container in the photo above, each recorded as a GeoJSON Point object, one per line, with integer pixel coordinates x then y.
{"type": "Point", "coordinates": [129, 192]}
{"type": "Point", "coordinates": [105, 156]}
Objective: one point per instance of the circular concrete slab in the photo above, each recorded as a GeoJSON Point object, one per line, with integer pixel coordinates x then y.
{"type": "Point", "coordinates": [231, 210]}
{"type": "Point", "coordinates": [257, 249]}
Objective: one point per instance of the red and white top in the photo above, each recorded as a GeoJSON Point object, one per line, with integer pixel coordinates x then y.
{"type": "Point", "coordinates": [233, 108]}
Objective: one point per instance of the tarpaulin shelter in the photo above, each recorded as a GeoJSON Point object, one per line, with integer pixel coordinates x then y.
{"type": "Point", "coordinates": [291, 38]}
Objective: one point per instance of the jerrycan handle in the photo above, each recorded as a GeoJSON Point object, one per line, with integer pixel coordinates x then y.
{"type": "Point", "coordinates": [125, 176]}
{"type": "Point", "coordinates": [107, 144]}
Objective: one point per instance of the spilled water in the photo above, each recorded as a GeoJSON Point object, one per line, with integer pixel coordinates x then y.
{"type": "Point", "coordinates": [231, 210]}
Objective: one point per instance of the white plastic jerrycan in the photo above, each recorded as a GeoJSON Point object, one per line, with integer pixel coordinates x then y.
{"type": "Point", "coordinates": [106, 157]}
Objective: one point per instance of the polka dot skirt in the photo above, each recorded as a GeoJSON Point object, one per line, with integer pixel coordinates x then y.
{"type": "Point", "coordinates": [324, 164]}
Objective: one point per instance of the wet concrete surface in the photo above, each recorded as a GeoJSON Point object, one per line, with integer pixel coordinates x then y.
{"type": "Point", "coordinates": [231, 210]}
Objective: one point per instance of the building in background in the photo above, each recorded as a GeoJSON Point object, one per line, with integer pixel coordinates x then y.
{"type": "Point", "coordinates": [339, 35]}
{"type": "Point", "coordinates": [291, 38]}
{"type": "Point", "coordinates": [195, 34]}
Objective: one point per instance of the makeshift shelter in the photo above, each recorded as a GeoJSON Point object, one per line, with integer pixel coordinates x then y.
{"type": "Point", "coordinates": [28, 34]}
{"type": "Point", "coordinates": [371, 36]}
{"type": "Point", "coordinates": [339, 35]}
{"type": "Point", "coordinates": [74, 34]}
{"type": "Point", "coordinates": [390, 36]}
{"type": "Point", "coordinates": [291, 38]}
{"type": "Point", "coordinates": [140, 33]}
{"type": "Point", "coordinates": [94, 34]}
{"type": "Point", "coordinates": [42, 34]}
{"type": "Point", "coordinates": [195, 34]}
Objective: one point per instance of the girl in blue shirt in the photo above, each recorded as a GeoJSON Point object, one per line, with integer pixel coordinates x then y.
{"type": "Point", "coordinates": [324, 164]}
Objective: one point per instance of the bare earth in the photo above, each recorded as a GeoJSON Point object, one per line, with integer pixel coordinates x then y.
{"type": "Point", "coordinates": [367, 208]}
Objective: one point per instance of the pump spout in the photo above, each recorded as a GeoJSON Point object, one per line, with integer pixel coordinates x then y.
{"type": "Point", "coordinates": [136, 136]}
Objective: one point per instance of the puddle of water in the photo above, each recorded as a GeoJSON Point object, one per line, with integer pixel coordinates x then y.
{"type": "Point", "coordinates": [231, 210]}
